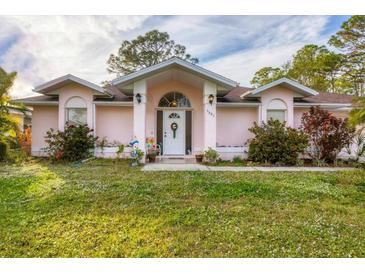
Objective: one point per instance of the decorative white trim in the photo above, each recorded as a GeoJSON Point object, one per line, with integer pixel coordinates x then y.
{"type": "Point", "coordinates": [327, 105]}
{"type": "Point", "coordinates": [70, 77]}
{"type": "Point", "coordinates": [233, 105]}
{"type": "Point", "coordinates": [113, 103]}
{"type": "Point", "coordinates": [176, 61]}
{"type": "Point", "coordinates": [228, 152]}
{"type": "Point", "coordinates": [303, 89]}
{"type": "Point", "coordinates": [37, 103]}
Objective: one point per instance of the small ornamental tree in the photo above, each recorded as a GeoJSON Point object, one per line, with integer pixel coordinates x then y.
{"type": "Point", "coordinates": [328, 135]}
{"type": "Point", "coordinates": [276, 144]}
{"type": "Point", "coordinates": [72, 144]}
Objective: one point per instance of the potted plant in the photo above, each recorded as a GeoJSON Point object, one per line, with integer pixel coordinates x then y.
{"type": "Point", "coordinates": [199, 157]}
{"type": "Point", "coordinates": [152, 149]}
{"type": "Point", "coordinates": [151, 155]}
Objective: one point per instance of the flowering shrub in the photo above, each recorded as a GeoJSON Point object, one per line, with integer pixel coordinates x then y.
{"type": "Point", "coordinates": [72, 144]}
{"type": "Point", "coordinates": [328, 135]}
{"type": "Point", "coordinates": [25, 140]}
{"type": "Point", "coordinates": [275, 143]}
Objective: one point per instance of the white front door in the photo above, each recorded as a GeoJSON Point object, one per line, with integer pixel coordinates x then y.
{"type": "Point", "coordinates": [174, 132]}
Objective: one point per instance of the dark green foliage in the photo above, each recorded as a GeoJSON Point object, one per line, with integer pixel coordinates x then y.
{"type": "Point", "coordinates": [237, 159]}
{"type": "Point", "coordinates": [276, 144]}
{"type": "Point", "coordinates": [146, 50]}
{"type": "Point", "coordinates": [4, 147]}
{"type": "Point", "coordinates": [73, 144]}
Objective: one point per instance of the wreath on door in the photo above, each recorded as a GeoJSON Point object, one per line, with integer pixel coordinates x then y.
{"type": "Point", "coordinates": [174, 127]}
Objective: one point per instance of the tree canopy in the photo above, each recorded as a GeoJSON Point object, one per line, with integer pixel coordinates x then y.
{"type": "Point", "coordinates": [146, 50]}
{"type": "Point", "coordinates": [341, 70]}
{"type": "Point", "coordinates": [7, 123]}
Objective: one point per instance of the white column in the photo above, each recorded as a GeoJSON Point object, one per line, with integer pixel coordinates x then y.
{"type": "Point", "coordinates": [290, 115]}
{"type": "Point", "coordinates": [139, 114]}
{"type": "Point", "coordinates": [210, 115]}
{"type": "Point", "coordinates": [259, 115]}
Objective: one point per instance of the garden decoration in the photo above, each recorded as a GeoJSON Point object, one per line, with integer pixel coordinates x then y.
{"type": "Point", "coordinates": [174, 127]}
{"type": "Point", "coordinates": [136, 152]}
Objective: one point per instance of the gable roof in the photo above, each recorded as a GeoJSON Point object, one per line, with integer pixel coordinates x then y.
{"type": "Point", "coordinates": [306, 91]}
{"type": "Point", "coordinates": [65, 80]}
{"type": "Point", "coordinates": [175, 62]}
{"type": "Point", "coordinates": [326, 97]}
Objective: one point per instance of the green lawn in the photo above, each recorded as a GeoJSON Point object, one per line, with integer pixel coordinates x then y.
{"type": "Point", "coordinates": [107, 209]}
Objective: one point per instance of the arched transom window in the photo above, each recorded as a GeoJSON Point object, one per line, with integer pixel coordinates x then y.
{"type": "Point", "coordinates": [174, 100]}
{"type": "Point", "coordinates": [76, 111]}
{"type": "Point", "coordinates": [276, 110]}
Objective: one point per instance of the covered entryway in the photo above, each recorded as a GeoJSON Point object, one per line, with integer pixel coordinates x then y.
{"type": "Point", "coordinates": [174, 124]}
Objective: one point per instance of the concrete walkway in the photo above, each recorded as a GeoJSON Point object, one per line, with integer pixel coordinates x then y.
{"type": "Point", "coordinates": [195, 167]}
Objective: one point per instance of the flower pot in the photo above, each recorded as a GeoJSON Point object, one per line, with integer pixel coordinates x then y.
{"type": "Point", "coordinates": [199, 158]}
{"type": "Point", "coordinates": [151, 158]}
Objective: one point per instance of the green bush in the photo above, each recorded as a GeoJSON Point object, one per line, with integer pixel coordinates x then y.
{"type": "Point", "coordinates": [237, 159]}
{"type": "Point", "coordinates": [4, 147]}
{"type": "Point", "coordinates": [211, 155]}
{"type": "Point", "coordinates": [276, 144]}
{"type": "Point", "coordinates": [73, 144]}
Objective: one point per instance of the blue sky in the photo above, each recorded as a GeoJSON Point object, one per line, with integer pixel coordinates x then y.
{"type": "Point", "coordinates": [41, 48]}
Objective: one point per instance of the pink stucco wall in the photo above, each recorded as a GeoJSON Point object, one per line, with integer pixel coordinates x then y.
{"type": "Point", "coordinates": [72, 90]}
{"type": "Point", "coordinates": [43, 118]}
{"type": "Point", "coordinates": [115, 123]}
{"type": "Point", "coordinates": [195, 95]}
{"type": "Point", "coordinates": [233, 125]}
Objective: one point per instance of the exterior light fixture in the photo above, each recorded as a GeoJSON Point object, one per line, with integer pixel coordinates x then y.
{"type": "Point", "coordinates": [173, 104]}
{"type": "Point", "coordinates": [211, 99]}
{"type": "Point", "coordinates": [139, 98]}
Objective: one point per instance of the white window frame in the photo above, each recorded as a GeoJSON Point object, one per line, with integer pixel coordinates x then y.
{"type": "Point", "coordinates": [75, 103]}
{"type": "Point", "coordinates": [277, 105]}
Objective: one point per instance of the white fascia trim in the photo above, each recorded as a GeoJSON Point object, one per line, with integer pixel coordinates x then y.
{"type": "Point", "coordinates": [39, 103]}
{"type": "Point", "coordinates": [305, 89]}
{"type": "Point", "coordinates": [125, 104]}
{"type": "Point", "coordinates": [72, 78]}
{"type": "Point", "coordinates": [177, 61]}
{"type": "Point", "coordinates": [328, 105]}
{"type": "Point", "coordinates": [232, 105]}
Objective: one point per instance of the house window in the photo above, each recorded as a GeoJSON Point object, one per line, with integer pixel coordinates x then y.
{"type": "Point", "coordinates": [76, 111]}
{"type": "Point", "coordinates": [277, 110]}
{"type": "Point", "coordinates": [173, 100]}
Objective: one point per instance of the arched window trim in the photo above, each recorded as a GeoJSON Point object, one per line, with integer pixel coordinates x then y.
{"type": "Point", "coordinates": [174, 98]}
{"type": "Point", "coordinates": [278, 110]}
{"type": "Point", "coordinates": [76, 110]}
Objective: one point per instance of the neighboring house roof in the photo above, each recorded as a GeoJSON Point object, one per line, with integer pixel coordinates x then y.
{"type": "Point", "coordinates": [175, 62]}
{"type": "Point", "coordinates": [59, 82]}
{"type": "Point", "coordinates": [299, 88]}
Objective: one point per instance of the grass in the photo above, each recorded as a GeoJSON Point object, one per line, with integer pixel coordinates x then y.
{"type": "Point", "coordinates": [104, 208]}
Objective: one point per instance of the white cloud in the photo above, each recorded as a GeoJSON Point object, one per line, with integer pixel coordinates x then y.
{"type": "Point", "coordinates": [273, 47]}
{"type": "Point", "coordinates": [235, 46]}
{"type": "Point", "coordinates": [51, 46]}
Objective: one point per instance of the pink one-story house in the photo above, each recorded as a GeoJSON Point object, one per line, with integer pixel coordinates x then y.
{"type": "Point", "coordinates": [185, 107]}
